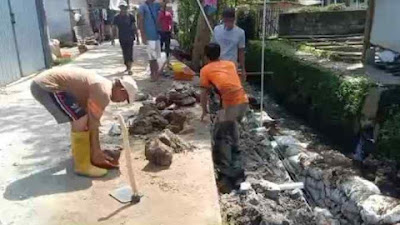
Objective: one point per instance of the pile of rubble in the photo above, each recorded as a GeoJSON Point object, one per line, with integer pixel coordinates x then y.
{"type": "Point", "coordinates": [151, 119]}
{"type": "Point", "coordinates": [160, 149]}
{"type": "Point", "coordinates": [166, 111]}
{"type": "Point", "coordinates": [256, 205]}
{"type": "Point", "coordinates": [181, 94]}
{"type": "Point", "coordinates": [332, 184]}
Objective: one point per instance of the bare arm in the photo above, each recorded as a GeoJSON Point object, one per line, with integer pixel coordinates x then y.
{"type": "Point", "coordinates": [95, 142]}
{"type": "Point", "coordinates": [241, 56]}
{"type": "Point", "coordinates": [141, 28]}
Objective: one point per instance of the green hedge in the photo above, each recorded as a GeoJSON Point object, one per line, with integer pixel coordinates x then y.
{"type": "Point", "coordinates": [330, 102]}
{"type": "Point", "coordinates": [389, 119]}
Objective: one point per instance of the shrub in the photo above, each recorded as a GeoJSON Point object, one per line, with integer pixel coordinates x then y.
{"type": "Point", "coordinates": [389, 134]}
{"type": "Point", "coordinates": [246, 19]}
{"type": "Point", "coordinates": [329, 101]}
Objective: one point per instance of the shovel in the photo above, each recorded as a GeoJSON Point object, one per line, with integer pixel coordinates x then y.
{"type": "Point", "coordinates": [127, 193]}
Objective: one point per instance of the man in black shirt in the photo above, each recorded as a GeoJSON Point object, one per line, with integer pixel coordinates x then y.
{"type": "Point", "coordinates": [127, 31]}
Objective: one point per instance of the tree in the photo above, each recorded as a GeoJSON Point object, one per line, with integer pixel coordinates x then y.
{"type": "Point", "coordinates": [203, 36]}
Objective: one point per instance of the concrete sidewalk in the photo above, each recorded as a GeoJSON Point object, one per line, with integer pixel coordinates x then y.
{"type": "Point", "coordinates": [39, 187]}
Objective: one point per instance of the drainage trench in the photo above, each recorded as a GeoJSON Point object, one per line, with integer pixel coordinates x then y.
{"type": "Point", "coordinates": [332, 194]}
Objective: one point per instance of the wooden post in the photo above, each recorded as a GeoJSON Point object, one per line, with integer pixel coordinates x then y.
{"type": "Point", "coordinates": [368, 27]}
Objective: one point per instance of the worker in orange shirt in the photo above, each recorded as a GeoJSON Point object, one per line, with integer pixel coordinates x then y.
{"type": "Point", "coordinates": [222, 75]}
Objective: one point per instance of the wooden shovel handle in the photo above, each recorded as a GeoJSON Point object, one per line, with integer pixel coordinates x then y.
{"type": "Point", "coordinates": [127, 150]}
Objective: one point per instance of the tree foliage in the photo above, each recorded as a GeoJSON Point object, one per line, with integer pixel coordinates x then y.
{"type": "Point", "coordinates": [188, 12]}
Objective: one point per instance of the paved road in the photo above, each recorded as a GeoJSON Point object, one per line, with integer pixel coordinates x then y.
{"type": "Point", "coordinates": [37, 184]}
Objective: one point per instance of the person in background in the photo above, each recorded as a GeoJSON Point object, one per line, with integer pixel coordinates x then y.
{"type": "Point", "coordinates": [222, 76]}
{"type": "Point", "coordinates": [165, 24]}
{"type": "Point", "coordinates": [232, 40]}
{"type": "Point", "coordinates": [80, 96]}
{"type": "Point", "coordinates": [148, 26]}
{"type": "Point", "coordinates": [126, 24]}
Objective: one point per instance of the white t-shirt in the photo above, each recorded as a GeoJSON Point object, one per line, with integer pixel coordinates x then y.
{"type": "Point", "coordinates": [230, 41]}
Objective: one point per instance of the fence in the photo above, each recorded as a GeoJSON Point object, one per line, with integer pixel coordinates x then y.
{"type": "Point", "coordinates": [272, 17]}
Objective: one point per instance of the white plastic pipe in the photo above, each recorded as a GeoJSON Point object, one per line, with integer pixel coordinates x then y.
{"type": "Point", "coordinates": [262, 62]}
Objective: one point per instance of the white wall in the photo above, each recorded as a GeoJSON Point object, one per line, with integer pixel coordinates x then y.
{"type": "Point", "coordinates": [386, 24]}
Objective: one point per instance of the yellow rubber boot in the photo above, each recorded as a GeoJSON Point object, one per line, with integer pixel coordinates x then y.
{"type": "Point", "coordinates": [80, 144]}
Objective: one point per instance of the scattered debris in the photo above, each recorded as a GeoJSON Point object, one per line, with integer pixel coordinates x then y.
{"type": "Point", "coordinates": [181, 94]}
{"type": "Point", "coordinates": [160, 149]}
{"type": "Point", "coordinates": [115, 130]}
{"type": "Point", "coordinates": [140, 97]}
{"type": "Point", "coordinates": [176, 143]}
{"type": "Point", "coordinates": [158, 153]}
{"type": "Point", "coordinates": [264, 204]}
{"type": "Point", "coordinates": [148, 120]}
{"type": "Point", "coordinates": [151, 119]}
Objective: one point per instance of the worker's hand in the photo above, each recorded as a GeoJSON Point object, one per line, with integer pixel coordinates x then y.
{"type": "Point", "coordinates": [103, 160]}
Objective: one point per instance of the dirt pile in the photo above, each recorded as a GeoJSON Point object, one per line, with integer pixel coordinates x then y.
{"type": "Point", "coordinates": [256, 206]}
{"type": "Point", "coordinates": [151, 119]}
{"type": "Point", "coordinates": [160, 149]}
{"type": "Point", "coordinates": [180, 94]}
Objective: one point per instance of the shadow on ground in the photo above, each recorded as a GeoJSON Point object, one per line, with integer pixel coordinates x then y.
{"type": "Point", "coordinates": [58, 179]}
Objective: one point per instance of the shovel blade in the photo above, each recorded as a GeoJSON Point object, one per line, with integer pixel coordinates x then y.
{"type": "Point", "coordinates": [123, 194]}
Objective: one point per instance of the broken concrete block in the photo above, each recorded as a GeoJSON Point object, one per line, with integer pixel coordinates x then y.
{"type": "Point", "coordinates": [285, 141]}
{"type": "Point", "coordinates": [158, 153]}
{"type": "Point", "coordinates": [161, 105]}
{"type": "Point", "coordinates": [315, 173]}
{"type": "Point", "coordinates": [115, 130]}
{"type": "Point", "coordinates": [148, 120]}
{"type": "Point", "coordinates": [175, 142]}
{"type": "Point", "coordinates": [245, 187]}
{"type": "Point", "coordinates": [354, 184]}
{"type": "Point", "coordinates": [324, 216]}
{"type": "Point", "coordinates": [142, 97]}
{"type": "Point", "coordinates": [161, 98]}
{"type": "Point", "coordinates": [187, 101]}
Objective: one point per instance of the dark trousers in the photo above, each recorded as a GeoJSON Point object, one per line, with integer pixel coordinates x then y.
{"type": "Point", "coordinates": [166, 40]}
{"type": "Point", "coordinates": [127, 50]}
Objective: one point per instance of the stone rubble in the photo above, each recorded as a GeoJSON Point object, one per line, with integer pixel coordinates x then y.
{"type": "Point", "coordinates": [151, 119]}
{"type": "Point", "coordinates": [350, 198]}
{"type": "Point", "coordinates": [180, 94]}
{"type": "Point", "coordinates": [259, 204]}
{"type": "Point", "coordinates": [160, 149]}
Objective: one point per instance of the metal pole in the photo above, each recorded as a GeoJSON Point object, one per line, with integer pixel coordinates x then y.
{"type": "Point", "coordinates": [262, 64]}
{"type": "Point", "coordinates": [205, 17]}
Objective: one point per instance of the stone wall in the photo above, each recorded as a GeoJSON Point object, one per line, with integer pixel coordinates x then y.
{"type": "Point", "coordinates": [331, 184]}
{"type": "Point", "coordinates": [322, 23]}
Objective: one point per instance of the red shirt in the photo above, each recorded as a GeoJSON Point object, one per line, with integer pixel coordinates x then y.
{"type": "Point", "coordinates": [165, 20]}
